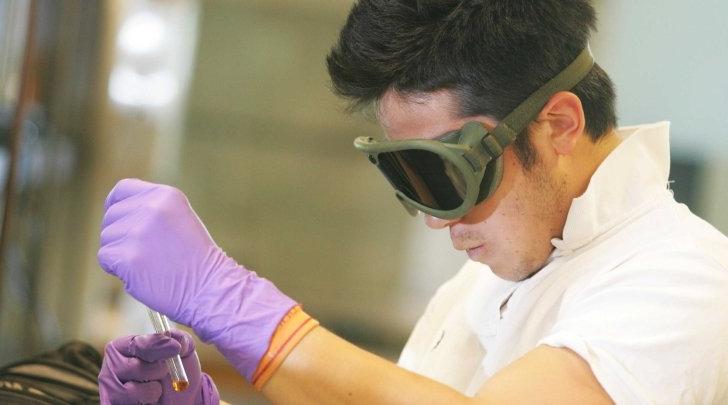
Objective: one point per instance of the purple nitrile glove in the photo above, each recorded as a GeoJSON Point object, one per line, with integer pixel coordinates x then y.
{"type": "Point", "coordinates": [134, 372]}
{"type": "Point", "coordinates": [154, 242]}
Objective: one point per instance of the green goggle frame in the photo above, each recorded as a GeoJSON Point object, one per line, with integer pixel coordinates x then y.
{"type": "Point", "coordinates": [447, 176]}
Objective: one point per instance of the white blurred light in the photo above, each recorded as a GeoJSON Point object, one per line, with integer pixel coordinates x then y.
{"type": "Point", "coordinates": [130, 88]}
{"type": "Point", "coordinates": [142, 33]}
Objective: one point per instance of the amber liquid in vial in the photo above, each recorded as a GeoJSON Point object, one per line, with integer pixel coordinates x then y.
{"type": "Point", "coordinates": [174, 364]}
{"type": "Point", "coordinates": [180, 385]}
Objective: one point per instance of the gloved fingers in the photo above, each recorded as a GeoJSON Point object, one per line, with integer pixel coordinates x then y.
{"type": "Point", "coordinates": [133, 369]}
{"type": "Point", "coordinates": [109, 255]}
{"type": "Point", "coordinates": [138, 357]}
{"type": "Point", "coordinates": [150, 348]}
{"type": "Point", "coordinates": [185, 340]}
{"type": "Point", "coordinates": [112, 233]}
{"type": "Point", "coordinates": [123, 208]}
{"type": "Point", "coordinates": [108, 259]}
{"type": "Point", "coordinates": [126, 188]}
{"type": "Point", "coordinates": [189, 357]}
{"type": "Point", "coordinates": [119, 229]}
{"type": "Point", "coordinates": [135, 392]}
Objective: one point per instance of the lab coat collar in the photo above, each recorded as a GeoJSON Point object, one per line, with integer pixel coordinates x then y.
{"type": "Point", "coordinates": [627, 182]}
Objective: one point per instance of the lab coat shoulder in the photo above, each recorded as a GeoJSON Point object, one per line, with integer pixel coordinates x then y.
{"type": "Point", "coordinates": [663, 305]}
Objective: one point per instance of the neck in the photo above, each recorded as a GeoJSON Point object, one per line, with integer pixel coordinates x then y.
{"type": "Point", "coordinates": [594, 154]}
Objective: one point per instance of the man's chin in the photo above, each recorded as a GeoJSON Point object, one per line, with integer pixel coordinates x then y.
{"type": "Point", "coordinates": [512, 273]}
{"type": "Point", "coordinates": [506, 270]}
{"type": "Point", "coordinates": [506, 274]}
{"type": "Point", "coordinates": [477, 254]}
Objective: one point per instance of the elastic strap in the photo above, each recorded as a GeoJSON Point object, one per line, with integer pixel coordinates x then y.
{"type": "Point", "coordinates": [292, 328]}
{"type": "Point", "coordinates": [518, 119]}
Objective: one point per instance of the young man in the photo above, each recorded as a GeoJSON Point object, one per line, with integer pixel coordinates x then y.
{"type": "Point", "coordinates": [587, 281]}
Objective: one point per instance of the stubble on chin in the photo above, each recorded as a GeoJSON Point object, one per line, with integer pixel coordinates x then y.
{"type": "Point", "coordinates": [543, 203]}
{"type": "Point", "coordinates": [516, 270]}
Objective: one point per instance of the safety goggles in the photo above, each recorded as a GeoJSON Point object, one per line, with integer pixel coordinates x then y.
{"type": "Point", "coordinates": [446, 177]}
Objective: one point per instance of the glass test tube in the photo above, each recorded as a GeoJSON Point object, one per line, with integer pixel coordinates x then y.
{"type": "Point", "coordinates": [174, 364]}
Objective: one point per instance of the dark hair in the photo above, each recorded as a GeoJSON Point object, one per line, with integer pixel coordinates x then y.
{"type": "Point", "coordinates": [491, 53]}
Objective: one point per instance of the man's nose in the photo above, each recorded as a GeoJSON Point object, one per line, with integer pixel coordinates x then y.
{"type": "Point", "coordinates": [438, 223]}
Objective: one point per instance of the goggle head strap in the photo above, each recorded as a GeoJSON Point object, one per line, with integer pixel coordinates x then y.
{"type": "Point", "coordinates": [518, 119]}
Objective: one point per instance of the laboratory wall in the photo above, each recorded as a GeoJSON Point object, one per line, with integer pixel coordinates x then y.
{"type": "Point", "coordinates": [668, 59]}
{"type": "Point", "coordinates": [268, 162]}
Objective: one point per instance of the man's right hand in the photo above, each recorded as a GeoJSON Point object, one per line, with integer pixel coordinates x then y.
{"type": "Point", "coordinates": [154, 242]}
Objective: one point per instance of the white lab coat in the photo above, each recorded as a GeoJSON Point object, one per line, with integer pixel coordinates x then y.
{"type": "Point", "coordinates": [638, 287]}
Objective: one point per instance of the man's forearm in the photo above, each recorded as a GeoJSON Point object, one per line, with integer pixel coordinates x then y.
{"type": "Point", "coordinates": [325, 369]}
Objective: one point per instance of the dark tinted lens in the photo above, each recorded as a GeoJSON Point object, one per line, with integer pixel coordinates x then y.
{"type": "Point", "coordinates": [424, 177]}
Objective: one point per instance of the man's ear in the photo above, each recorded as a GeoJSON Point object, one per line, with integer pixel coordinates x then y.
{"type": "Point", "coordinates": [564, 115]}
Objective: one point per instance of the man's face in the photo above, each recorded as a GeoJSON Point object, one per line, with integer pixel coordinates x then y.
{"type": "Point", "coordinates": [512, 230]}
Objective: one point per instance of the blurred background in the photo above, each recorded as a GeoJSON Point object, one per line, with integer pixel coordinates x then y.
{"type": "Point", "coordinates": [230, 101]}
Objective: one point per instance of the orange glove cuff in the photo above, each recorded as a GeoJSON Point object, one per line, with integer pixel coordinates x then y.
{"type": "Point", "coordinates": [292, 328]}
